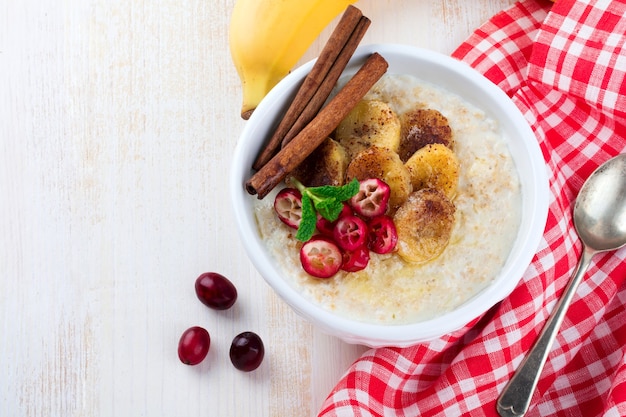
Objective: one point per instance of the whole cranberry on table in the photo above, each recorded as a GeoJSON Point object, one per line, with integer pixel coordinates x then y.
{"type": "Point", "coordinates": [215, 291]}
{"type": "Point", "coordinates": [219, 293]}
{"type": "Point", "coordinates": [247, 351]}
{"type": "Point", "coordinates": [193, 345]}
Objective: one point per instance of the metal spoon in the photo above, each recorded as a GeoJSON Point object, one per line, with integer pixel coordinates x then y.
{"type": "Point", "coordinates": [600, 221]}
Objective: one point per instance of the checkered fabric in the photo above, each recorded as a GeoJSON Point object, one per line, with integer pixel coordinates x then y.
{"type": "Point", "coordinates": [564, 65]}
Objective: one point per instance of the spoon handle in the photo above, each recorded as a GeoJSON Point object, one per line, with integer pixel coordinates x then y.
{"type": "Point", "coordinates": [515, 398]}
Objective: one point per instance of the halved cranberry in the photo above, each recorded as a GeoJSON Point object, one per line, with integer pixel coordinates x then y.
{"type": "Point", "coordinates": [320, 257]}
{"type": "Point", "coordinates": [288, 207]}
{"type": "Point", "coordinates": [382, 236]}
{"type": "Point", "coordinates": [372, 198]}
{"type": "Point", "coordinates": [355, 260]}
{"type": "Point", "coordinates": [350, 232]}
{"type": "Point", "coordinates": [325, 226]}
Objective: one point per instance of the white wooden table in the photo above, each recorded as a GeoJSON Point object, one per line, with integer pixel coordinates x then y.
{"type": "Point", "coordinates": [118, 119]}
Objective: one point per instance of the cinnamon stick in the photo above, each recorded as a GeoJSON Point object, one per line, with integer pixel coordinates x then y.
{"type": "Point", "coordinates": [334, 46]}
{"type": "Point", "coordinates": [326, 87]}
{"type": "Point", "coordinates": [322, 125]}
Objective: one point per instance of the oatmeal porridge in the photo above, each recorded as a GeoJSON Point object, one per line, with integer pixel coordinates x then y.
{"type": "Point", "coordinates": [488, 200]}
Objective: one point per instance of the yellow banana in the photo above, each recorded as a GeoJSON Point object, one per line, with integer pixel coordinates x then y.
{"type": "Point", "coordinates": [371, 122]}
{"type": "Point", "coordinates": [268, 37]}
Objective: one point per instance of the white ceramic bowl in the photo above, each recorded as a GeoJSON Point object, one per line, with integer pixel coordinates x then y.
{"type": "Point", "coordinates": [458, 78]}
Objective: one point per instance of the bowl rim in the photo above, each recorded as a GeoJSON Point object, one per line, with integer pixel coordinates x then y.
{"type": "Point", "coordinates": [372, 334]}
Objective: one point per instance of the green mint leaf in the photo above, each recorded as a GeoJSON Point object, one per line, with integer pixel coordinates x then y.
{"type": "Point", "coordinates": [324, 191]}
{"type": "Point", "coordinates": [326, 200]}
{"type": "Point", "coordinates": [349, 190]}
{"type": "Point", "coordinates": [307, 223]}
{"type": "Point", "coordinates": [340, 193]}
{"type": "Point", "coordinates": [329, 208]}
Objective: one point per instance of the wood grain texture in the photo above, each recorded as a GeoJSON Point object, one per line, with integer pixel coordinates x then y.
{"type": "Point", "coordinates": [118, 119]}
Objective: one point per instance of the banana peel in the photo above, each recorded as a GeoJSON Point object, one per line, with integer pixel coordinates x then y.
{"type": "Point", "coordinates": [268, 37]}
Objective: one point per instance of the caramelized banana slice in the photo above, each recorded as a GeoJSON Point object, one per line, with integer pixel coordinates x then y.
{"type": "Point", "coordinates": [424, 225]}
{"type": "Point", "coordinates": [384, 164]}
{"type": "Point", "coordinates": [421, 127]}
{"type": "Point", "coordinates": [371, 122]}
{"type": "Point", "coordinates": [325, 166]}
{"type": "Point", "coordinates": [434, 166]}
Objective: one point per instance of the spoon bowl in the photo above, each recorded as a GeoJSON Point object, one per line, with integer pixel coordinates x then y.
{"type": "Point", "coordinates": [600, 221]}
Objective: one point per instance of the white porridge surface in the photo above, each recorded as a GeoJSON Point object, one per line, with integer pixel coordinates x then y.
{"type": "Point", "coordinates": [488, 201]}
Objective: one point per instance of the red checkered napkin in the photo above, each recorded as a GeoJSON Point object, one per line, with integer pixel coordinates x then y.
{"type": "Point", "coordinates": [565, 68]}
